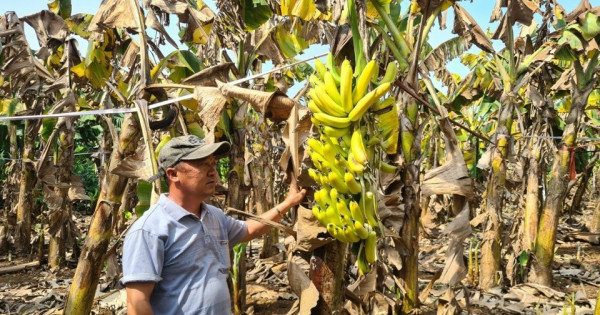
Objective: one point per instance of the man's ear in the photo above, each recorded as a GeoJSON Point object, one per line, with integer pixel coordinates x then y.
{"type": "Point", "coordinates": [171, 174]}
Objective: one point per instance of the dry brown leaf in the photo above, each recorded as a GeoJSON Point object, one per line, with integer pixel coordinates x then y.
{"type": "Point", "coordinates": [210, 105]}
{"type": "Point", "coordinates": [303, 287]}
{"type": "Point", "coordinates": [365, 284]}
{"type": "Point", "coordinates": [77, 191]}
{"type": "Point", "coordinates": [391, 211]}
{"type": "Point", "coordinates": [168, 6]}
{"type": "Point", "coordinates": [134, 166]}
{"type": "Point", "coordinates": [153, 23]}
{"type": "Point", "coordinates": [114, 14]}
{"type": "Point", "coordinates": [465, 25]}
{"type": "Point", "coordinates": [210, 75]}
{"type": "Point", "coordinates": [273, 105]}
{"type": "Point", "coordinates": [302, 130]}
{"type": "Point", "coordinates": [311, 234]}
{"type": "Point", "coordinates": [583, 7]}
{"type": "Point", "coordinates": [49, 27]}
{"type": "Point", "coordinates": [458, 230]}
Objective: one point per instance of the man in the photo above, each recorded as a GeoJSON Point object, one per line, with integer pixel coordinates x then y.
{"type": "Point", "coordinates": [176, 255]}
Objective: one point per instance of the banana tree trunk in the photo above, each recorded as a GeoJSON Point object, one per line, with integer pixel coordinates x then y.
{"type": "Point", "coordinates": [532, 208]}
{"type": "Point", "coordinates": [61, 217]}
{"type": "Point", "coordinates": [490, 264]}
{"type": "Point", "coordinates": [87, 274]}
{"type": "Point", "coordinates": [235, 199]}
{"type": "Point", "coordinates": [262, 178]}
{"type": "Point", "coordinates": [326, 273]}
{"type": "Point", "coordinates": [583, 184]}
{"type": "Point", "coordinates": [26, 188]}
{"type": "Point", "coordinates": [411, 149]}
{"type": "Point", "coordinates": [595, 222]}
{"type": "Point", "coordinates": [9, 189]}
{"type": "Point", "coordinates": [541, 271]}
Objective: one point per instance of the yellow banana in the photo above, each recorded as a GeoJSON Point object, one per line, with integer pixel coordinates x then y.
{"type": "Point", "coordinates": [369, 99]}
{"type": "Point", "coordinates": [336, 181]}
{"type": "Point", "coordinates": [334, 132]}
{"type": "Point", "coordinates": [332, 88]}
{"type": "Point", "coordinates": [346, 86]}
{"type": "Point", "coordinates": [354, 166]}
{"type": "Point", "coordinates": [312, 173]}
{"type": "Point", "coordinates": [362, 106]}
{"type": "Point", "coordinates": [342, 207]}
{"type": "Point", "coordinates": [312, 106]}
{"type": "Point", "coordinates": [340, 235]}
{"type": "Point", "coordinates": [358, 147]}
{"type": "Point", "coordinates": [315, 145]}
{"type": "Point", "coordinates": [334, 146]}
{"type": "Point", "coordinates": [320, 68]}
{"type": "Point", "coordinates": [337, 122]}
{"type": "Point", "coordinates": [350, 234]}
{"type": "Point", "coordinates": [353, 185]}
{"type": "Point", "coordinates": [371, 247]}
{"type": "Point", "coordinates": [327, 104]}
{"type": "Point", "coordinates": [333, 216]}
{"type": "Point", "coordinates": [356, 212]}
{"type": "Point", "coordinates": [321, 199]}
{"type": "Point", "coordinates": [331, 229]}
{"type": "Point", "coordinates": [362, 83]}
{"type": "Point", "coordinates": [360, 230]}
{"type": "Point", "coordinates": [319, 214]}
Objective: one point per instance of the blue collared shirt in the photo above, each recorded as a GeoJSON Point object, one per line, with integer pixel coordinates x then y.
{"type": "Point", "coordinates": [187, 257]}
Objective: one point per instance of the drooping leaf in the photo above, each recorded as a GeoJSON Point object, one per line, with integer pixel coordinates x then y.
{"type": "Point", "coordinates": [61, 7]}
{"type": "Point", "coordinates": [588, 27]}
{"type": "Point", "coordinates": [465, 25]}
{"type": "Point", "coordinates": [78, 24]}
{"type": "Point", "coordinates": [256, 13]}
{"type": "Point", "coordinates": [290, 43]}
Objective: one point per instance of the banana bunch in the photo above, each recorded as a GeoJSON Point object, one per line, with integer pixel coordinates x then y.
{"type": "Point", "coordinates": [355, 126]}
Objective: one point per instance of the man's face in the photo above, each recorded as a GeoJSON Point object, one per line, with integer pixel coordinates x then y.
{"type": "Point", "coordinates": [198, 177]}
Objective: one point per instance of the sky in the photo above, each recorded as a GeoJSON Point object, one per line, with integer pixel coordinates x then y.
{"type": "Point", "coordinates": [480, 10]}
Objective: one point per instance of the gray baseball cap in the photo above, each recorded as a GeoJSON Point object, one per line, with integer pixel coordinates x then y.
{"type": "Point", "coordinates": [187, 148]}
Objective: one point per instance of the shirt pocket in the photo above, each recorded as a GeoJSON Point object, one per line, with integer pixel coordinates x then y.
{"type": "Point", "coordinates": [223, 254]}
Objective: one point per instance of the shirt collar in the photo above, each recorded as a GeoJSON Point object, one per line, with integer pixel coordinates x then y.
{"type": "Point", "coordinates": [176, 211]}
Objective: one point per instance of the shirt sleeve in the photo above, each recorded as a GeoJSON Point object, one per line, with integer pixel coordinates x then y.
{"type": "Point", "coordinates": [143, 257]}
{"type": "Point", "coordinates": [236, 230]}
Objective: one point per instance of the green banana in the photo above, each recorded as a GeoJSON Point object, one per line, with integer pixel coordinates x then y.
{"type": "Point", "coordinates": [371, 247]}
{"type": "Point", "coordinates": [330, 62]}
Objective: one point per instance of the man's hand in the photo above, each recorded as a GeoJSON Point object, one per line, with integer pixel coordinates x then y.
{"type": "Point", "coordinates": [293, 198]}
{"type": "Point", "coordinates": [138, 297]}
{"type": "Point", "coordinates": [295, 195]}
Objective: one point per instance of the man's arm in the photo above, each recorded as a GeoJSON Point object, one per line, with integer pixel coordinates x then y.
{"type": "Point", "coordinates": [138, 297]}
{"type": "Point", "coordinates": [294, 197]}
